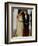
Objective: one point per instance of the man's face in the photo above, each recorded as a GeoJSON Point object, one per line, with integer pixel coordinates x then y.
{"type": "Point", "coordinates": [24, 12]}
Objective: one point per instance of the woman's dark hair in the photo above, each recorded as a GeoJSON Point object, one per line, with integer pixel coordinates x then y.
{"type": "Point", "coordinates": [19, 11]}
{"type": "Point", "coordinates": [22, 13]}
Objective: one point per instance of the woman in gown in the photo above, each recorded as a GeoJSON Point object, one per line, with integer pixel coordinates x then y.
{"type": "Point", "coordinates": [20, 27]}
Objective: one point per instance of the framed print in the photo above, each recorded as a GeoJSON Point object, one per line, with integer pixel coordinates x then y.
{"type": "Point", "coordinates": [20, 22]}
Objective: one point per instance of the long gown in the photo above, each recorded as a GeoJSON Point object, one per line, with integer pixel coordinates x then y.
{"type": "Point", "coordinates": [19, 31]}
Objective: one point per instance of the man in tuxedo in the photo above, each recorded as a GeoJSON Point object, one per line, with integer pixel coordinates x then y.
{"type": "Point", "coordinates": [26, 24]}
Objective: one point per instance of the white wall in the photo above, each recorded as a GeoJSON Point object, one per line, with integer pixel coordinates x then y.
{"type": "Point", "coordinates": [2, 12]}
{"type": "Point", "coordinates": [37, 23]}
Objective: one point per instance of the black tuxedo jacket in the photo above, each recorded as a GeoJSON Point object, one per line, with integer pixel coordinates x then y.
{"type": "Point", "coordinates": [26, 21]}
{"type": "Point", "coordinates": [26, 26]}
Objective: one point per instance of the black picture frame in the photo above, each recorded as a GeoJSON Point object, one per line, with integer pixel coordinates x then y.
{"type": "Point", "coordinates": [7, 31]}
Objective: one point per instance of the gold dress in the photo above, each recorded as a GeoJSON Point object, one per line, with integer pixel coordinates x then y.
{"type": "Point", "coordinates": [19, 31]}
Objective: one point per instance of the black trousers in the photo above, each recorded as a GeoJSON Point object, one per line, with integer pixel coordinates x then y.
{"type": "Point", "coordinates": [26, 30]}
